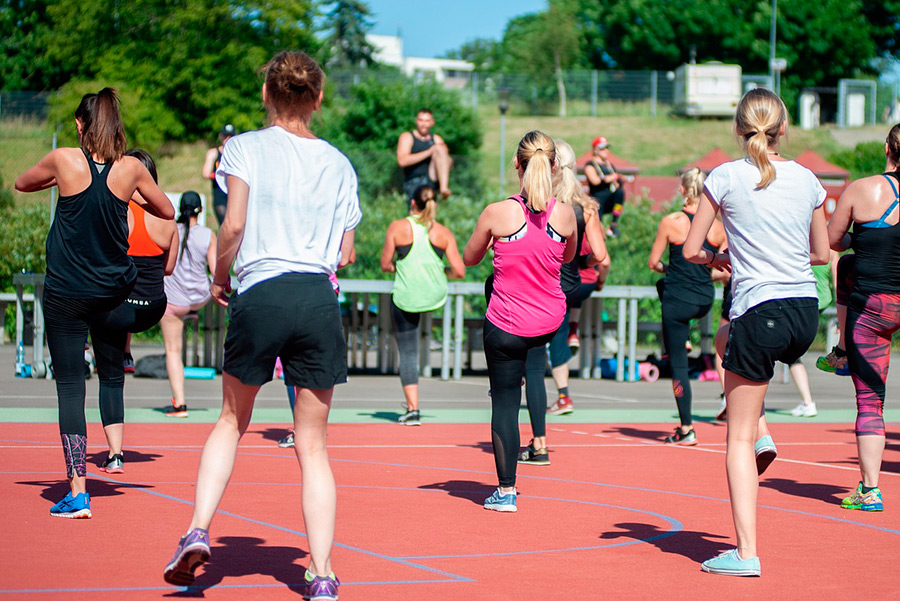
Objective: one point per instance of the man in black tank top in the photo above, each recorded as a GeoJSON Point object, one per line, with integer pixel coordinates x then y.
{"type": "Point", "coordinates": [424, 157]}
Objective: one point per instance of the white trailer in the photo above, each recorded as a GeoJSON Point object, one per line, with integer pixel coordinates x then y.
{"type": "Point", "coordinates": [707, 90]}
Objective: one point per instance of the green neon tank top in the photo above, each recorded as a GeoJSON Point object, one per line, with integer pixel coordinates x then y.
{"type": "Point", "coordinates": [420, 284]}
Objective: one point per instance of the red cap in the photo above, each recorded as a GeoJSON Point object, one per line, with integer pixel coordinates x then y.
{"type": "Point", "coordinates": [601, 142]}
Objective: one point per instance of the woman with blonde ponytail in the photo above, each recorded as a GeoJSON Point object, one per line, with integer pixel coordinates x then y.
{"type": "Point", "coordinates": [420, 244]}
{"type": "Point", "coordinates": [89, 272]}
{"type": "Point", "coordinates": [686, 293]}
{"type": "Point", "coordinates": [775, 224]}
{"type": "Point", "coordinates": [532, 236]}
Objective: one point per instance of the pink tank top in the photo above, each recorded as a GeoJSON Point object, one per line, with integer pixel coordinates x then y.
{"type": "Point", "coordinates": [528, 299]}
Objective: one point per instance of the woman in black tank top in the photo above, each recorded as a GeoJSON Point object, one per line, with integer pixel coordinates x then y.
{"type": "Point", "coordinates": [686, 293]}
{"type": "Point", "coordinates": [872, 206]}
{"type": "Point", "coordinates": [88, 270]}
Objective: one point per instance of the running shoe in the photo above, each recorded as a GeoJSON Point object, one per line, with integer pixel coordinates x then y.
{"type": "Point", "coordinates": [613, 230]}
{"type": "Point", "coordinates": [870, 501]}
{"type": "Point", "coordinates": [834, 364]}
{"type": "Point", "coordinates": [76, 508]}
{"type": "Point", "coordinates": [722, 414]}
{"type": "Point", "coordinates": [534, 456]}
{"type": "Point", "coordinates": [730, 563]}
{"type": "Point", "coordinates": [177, 410]}
{"type": "Point", "coordinates": [288, 441]}
{"type": "Point", "coordinates": [129, 363]}
{"type": "Point", "coordinates": [501, 502]}
{"type": "Point", "coordinates": [113, 465]}
{"type": "Point", "coordinates": [191, 553]}
{"type": "Point", "coordinates": [802, 410]}
{"type": "Point", "coordinates": [321, 588]}
{"type": "Point", "coordinates": [410, 418]}
{"type": "Point", "coordinates": [679, 437]}
{"type": "Point", "coordinates": [574, 343]}
{"type": "Point", "coordinates": [766, 452]}
{"type": "Point", "coordinates": [562, 406]}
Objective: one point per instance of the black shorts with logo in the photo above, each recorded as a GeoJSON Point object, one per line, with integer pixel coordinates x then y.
{"type": "Point", "coordinates": [294, 316]}
{"type": "Point", "coordinates": [776, 330]}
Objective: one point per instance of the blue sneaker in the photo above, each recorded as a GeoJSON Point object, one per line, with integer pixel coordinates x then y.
{"type": "Point", "coordinates": [76, 508]}
{"type": "Point", "coordinates": [730, 563]}
{"type": "Point", "coordinates": [321, 588]}
{"type": "Point", "coordinates": [765, 453]}
{"type": "Point", "coordinates": [191, 553]}
{"type": "Point", "coordinates": [501, 502]}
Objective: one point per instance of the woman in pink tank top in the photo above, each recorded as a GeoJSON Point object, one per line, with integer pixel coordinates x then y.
{"type": "Point", "coordinates": [532, 236]}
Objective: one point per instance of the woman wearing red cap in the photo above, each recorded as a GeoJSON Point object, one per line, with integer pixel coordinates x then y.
{"type": "Point", "coordinates": [604, 184]}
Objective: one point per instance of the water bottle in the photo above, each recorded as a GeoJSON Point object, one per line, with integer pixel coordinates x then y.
{"type": "Point", "coordinates": [20, 360]}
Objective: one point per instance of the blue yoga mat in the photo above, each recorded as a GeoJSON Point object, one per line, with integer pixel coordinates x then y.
{"type": "Point", "coordinates": [199, 373]}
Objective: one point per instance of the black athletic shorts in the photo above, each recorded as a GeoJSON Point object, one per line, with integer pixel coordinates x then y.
{"type": "Point", "coordinates": [776, 330]}
{"type": "Point", "coordinates": [294, 316]}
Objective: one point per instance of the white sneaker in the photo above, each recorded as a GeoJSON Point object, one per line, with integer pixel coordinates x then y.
{"type": "Point", "coordinates": [802, 410]}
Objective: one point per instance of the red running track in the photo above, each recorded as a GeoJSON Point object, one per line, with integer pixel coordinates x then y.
{"type": "Point", "coordinates": [617, 515]}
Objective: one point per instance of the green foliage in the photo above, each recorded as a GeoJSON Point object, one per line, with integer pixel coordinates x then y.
{"type": "Point", "coordinates": [348, 21]}
{"type": "Point", "coordinates": [23, 232]}
{"type": "Point", "coordinates": [366, 124]}
{"type": "Point", "coordinates": [629, 251]}
{"type": "Point", "coordinates": [866, 159]}
{"type": "Point", "coordinates": [6, 199]}
{"type": "Point", "coordinates": [183, 67]}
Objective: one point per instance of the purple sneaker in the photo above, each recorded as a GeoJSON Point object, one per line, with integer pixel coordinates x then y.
{"type": "Point", "coordinates": [192, 552]}
{"type": "Point", "coordinates": [321, 588]}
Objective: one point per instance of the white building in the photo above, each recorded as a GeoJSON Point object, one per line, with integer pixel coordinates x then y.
{"type": "Point", "coordinates": [450, 72]}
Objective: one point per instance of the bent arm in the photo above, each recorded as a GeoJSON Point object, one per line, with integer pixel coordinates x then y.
{"type": "Point", "coordinates": [388, 250]}
{"type": "Point", "coordinates": [457, 267]}
{"type": "Point", "coordinates": [654, 261]}
{"type": "Point", "coordinates": [40, 176]}
{"type": "Point", "coordinates": [596, 238]}
{"type": "Point", "coordinates": [819, 251]}
{"type": "Point", "coordinates": [591, 174]}
{"type": "Point", "coordinates": [211, 253]}
{"type": "Point", "coordinates": [405, 155]}
{"type": "Point", "coordinates": [841, 219]}
{"type": "Point", "coordinates": [209, 164]}
{"type": "Point", "coordinates": [171, 253]}
{"type": "Point", "coordinates": [231, 233]}
{"type": "Point", "coordinates": [156, 201]}
{"type": "Point", "coordinates": [693, 250]}
{"type": "Point", "coordinates": [348, 250]}
{"type": "Point", "coordinates": [480, 240]}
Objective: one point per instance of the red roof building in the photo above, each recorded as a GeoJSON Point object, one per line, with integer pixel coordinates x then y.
{"type": "Point", "coordinates": [709, 161]}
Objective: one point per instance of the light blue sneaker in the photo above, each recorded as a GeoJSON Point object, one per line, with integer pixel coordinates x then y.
{"type": "Point", "coordinates": [77, 507]}
{"type": "Point", "coordinates": [501, 502]}
{"type": "Point", "coordinates": [730, 563]}
{"type": "Point", "coordinates": [765, 453]}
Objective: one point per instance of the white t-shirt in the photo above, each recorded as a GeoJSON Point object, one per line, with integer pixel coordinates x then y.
{"type": "Point", "coordinates": [768, 230]}
{"type": "Point", "coordinates": [303, 197]}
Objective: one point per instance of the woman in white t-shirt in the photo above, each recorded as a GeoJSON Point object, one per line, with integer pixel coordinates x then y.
{"type": "Point", "coordinates": [187, 291]}
{"type": "Point", "coordinates": [292, 209]}
{"type": "Point", "coordinates": [773, 216]}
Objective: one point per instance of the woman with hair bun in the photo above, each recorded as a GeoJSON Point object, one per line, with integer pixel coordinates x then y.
{"type": "Point", "coordinates": [775, 224]}
{"type": "Point", "coordinates": [187, 290]}
{"type": "Point", "coordinates": [420, 244]}
{"type": "Point", "coordinates": [292, 210]}
{"type": "Point", "coordinates": [89, 272]}
{"type": "Point", "coordinates": [532, 236]}
{"type": "Point", "coordinates": [870, 206]}
{"type": "Point", "coordinates": [686, 293]}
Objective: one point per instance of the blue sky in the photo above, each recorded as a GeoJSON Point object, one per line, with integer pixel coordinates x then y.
{"type": "Point", "coordinates": [431, 28]}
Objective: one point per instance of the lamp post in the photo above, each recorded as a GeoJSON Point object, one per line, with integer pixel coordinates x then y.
{"type": "Point", "coordinates": [503, 97]}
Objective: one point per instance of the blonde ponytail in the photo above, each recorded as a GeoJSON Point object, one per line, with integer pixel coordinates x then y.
{"type": "Point", "coordinates": [537, 154]}
{"type": "Point", "coordinates": [758, 122]}
{"type": "Point", "coordinates": [692, 184]}
{"type": "Point", "coordinates": [426, 209]}
{"type": "Point", "coordinates": [566, 187]}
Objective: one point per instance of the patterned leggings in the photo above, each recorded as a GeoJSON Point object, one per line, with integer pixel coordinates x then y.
{"type": "Point", "coordinates": [871, 320]}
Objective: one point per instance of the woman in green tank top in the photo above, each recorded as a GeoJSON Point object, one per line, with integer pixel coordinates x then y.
{"type": "Point", "coordinates": [420, 244]}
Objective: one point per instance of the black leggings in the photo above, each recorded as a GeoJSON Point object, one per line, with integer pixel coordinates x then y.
{"type": "Point", "coordinates": [610, 202]}
{"type": "Point", "coordinates": [507, 356]}
{"type": "Point", "coordinates": [676, 325]}
{"type": "Point", "coordinates": [406, 332]}
{"type": "Point", "coordinates": [110, 330]}
{"type": "Point", "coordinates": [68, 321]}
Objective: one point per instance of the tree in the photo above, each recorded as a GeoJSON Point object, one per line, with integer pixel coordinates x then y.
{"type": "Point", "coordinates": [348, 21]}
{"type": "Point", "coordinates": [484, 53]}
{"type": "Point", "coordinates": [183, 67]}
{"type": "Point", "coordinates": [23, 64]}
